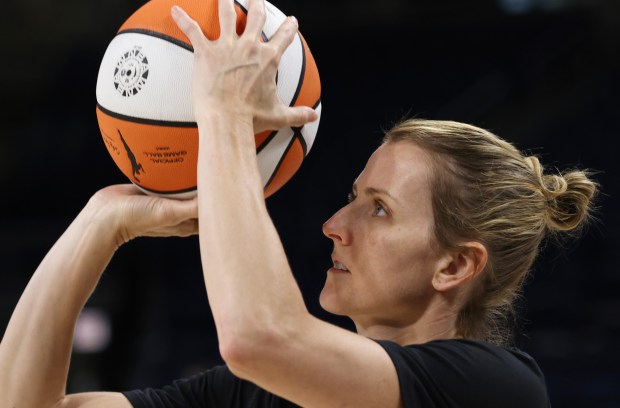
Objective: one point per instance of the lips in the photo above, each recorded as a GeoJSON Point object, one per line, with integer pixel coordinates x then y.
{"type": "Point", "coordinates": [339, 266]}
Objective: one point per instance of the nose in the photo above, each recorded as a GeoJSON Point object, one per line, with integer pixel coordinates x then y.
{"type": "Point", "coordinates": [337, 227]}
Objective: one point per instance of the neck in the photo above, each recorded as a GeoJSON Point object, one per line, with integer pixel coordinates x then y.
{"type": "Point", "coordinates": [433, 324]}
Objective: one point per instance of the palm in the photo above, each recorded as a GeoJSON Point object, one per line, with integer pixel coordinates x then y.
{"type": "Point", "coordinates": [137, 214]}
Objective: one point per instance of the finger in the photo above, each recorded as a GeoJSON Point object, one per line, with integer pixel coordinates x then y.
{"type": "Point", "coordinates": [187, 228]}
{"type": "Point", "coordinates": [181, 209]}
{"type": "Point", "coordinates": [228, 18]}
{"type": "Point", "coordinates": [285, 34]}
{"type": "Point", "coordinates": [172, 216]}
{"type": "Point", "coordinates": [256, 19]}
{"type": "Point", "coordinates": [126, 189]}
{"type": "Point", "coordinates": [183, 229]}
{"type": "Point", "coordinates": [299, 115]}
{"type": "Point", "coordinates": [191, 228]}
{"type": "Point", "coordinates": [187, 25]}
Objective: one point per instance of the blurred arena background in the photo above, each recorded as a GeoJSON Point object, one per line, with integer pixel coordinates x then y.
{"type": "Point", "coordinates": [544, 74]}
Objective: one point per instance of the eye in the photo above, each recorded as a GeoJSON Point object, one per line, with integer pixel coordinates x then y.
{"type": "Point", "coordinates": [350, 197]}
{"type": "Point", "coordinates": [379, 211]}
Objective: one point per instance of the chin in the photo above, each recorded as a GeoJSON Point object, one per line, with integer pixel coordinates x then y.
{"type": "Point", "coordinates": [330, 302]}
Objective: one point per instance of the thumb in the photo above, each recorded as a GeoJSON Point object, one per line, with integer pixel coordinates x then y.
{"type": "Point", "coordinates": [300, 115]}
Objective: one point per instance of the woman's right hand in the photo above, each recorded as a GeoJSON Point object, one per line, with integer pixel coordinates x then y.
{"type": "Point", "coordinates": [237, 73]}
{"type": "Point", "coordinates": [131, 213]}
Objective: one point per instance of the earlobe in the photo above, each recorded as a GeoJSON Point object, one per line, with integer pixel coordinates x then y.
{"type": "Point", "coordinates": [461, 266]}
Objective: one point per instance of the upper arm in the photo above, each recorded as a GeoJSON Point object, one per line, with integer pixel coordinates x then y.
{"type": "Point", "coordinates": [95, 400]}
{"type": "Point", "coordinates": [318, 364]}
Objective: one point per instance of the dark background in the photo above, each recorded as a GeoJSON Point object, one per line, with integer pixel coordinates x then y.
{"type": "Point", "coordinates": [543, 74]}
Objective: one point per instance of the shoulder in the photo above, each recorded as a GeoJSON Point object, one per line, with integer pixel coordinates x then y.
{"type": "Point", "coordinates": [462, 372]}
{"type": "Point", "coordinates": [466, 353]}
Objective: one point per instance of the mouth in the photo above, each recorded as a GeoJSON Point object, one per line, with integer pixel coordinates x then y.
{"type": "Point", "coordinates": [339, 267]}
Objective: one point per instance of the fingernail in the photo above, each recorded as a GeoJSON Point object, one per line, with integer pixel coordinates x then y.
{"type": "Point", "coordinates": [175, 9]}
{"type": "Point", "coordinates": [294, 19]}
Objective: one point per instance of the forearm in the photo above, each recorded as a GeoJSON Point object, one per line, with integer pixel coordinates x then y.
{"type": "Point", "coordinates": [36, 347]}
{"type": "Point", "coordinates": [247, 275]}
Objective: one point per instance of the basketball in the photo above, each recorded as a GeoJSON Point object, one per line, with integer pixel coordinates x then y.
{"type": "Point", "coordinates": [144, 108]}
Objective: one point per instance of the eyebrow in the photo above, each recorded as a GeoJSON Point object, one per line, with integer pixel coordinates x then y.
{"type": "Point", "coordinates": [374, 190]}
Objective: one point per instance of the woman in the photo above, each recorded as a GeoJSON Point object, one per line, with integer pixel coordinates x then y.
{"type": "Point", "coordinates": [443, 224]}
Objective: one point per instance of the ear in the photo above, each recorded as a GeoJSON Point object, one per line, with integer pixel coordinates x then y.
{"type": "Point", "coordinates": [461, 266]}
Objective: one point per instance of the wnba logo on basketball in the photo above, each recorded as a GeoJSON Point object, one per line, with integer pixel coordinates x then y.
{"type": "Point", "coordinates": [131, 72]}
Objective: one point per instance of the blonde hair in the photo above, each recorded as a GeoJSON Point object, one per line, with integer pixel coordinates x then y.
{"type": "Point", "coordinates": [484, 189]}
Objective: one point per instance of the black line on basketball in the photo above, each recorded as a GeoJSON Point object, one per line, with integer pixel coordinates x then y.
{"type": "Point", "coordinates": [185, 190]}
{"type": "Point", "coordinates": [159, 35]}
{"type": "Point", "coordinates": [300, 82]}
{"type": "Point", "coordinates": [143, 121]}
{"type": "Point", "coordinates": [263, 35]}
{"type": "Point", "coordinates": [241, 7]}
{"type": "Point", "coordinates": [282, 157]}
{"type": "Point", "coordinates": [302, 141]}
{"type": "Point", "coordinates": [266, 141]}
{"type": "Point", "coordinates": [297, 131]}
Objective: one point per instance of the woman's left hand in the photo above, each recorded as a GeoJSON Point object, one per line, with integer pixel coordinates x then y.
{"type": "Point", "coordinates": [131, 213]}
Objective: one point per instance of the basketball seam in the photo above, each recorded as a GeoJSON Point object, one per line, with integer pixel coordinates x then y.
{"type": "Point", "coordinates": [267, 140]}
{"type": "Point", "coordinates": [242, 7]}
{"type": "Point", "coordinates": [185, 190]}
{"type": "Point", "coordinates": [302, 140]}
{"type": "Point", "coordinates": [263, 35]}
{"type": "Point", "coordinates": [296, 131]}
{"type": "Point", "coordinates": [144, 121]}
{"type": "Point", "coordinates": [152, 33]}
{"type": "Point", "coordinates": [175, 40]}
{"type": "Point", "coordinates": [282, 157]}
{"type": "Point", "coordinates": [300, 83]}
{"type": "Point", "coordinates": [302, 74]}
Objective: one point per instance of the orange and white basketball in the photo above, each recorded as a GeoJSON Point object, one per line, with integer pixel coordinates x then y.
{"type": "Point", "coordinates": [144, 107]}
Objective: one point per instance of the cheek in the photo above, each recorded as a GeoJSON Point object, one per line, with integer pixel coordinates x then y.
{"type": "Point", "coordinates": [407, 259]}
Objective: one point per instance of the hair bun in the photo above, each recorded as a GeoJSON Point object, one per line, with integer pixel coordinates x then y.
{"type": "Point", "coordinates": [569, 199]}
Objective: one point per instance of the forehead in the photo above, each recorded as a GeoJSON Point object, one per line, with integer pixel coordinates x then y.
{"type": "Point", "coordinates": [402, 168]}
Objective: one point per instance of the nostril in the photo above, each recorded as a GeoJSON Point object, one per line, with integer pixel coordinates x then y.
{"type": "Point", "coordinates": [329, 228]}
{"type": "Point", "coordinates": [328, 231]}
{"type": "Point", "coordinates": [335, 232]}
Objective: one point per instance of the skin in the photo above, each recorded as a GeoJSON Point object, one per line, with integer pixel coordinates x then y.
{"type": "Point", "coordinates": [261, 320]}
{"type": "Point", "coordinates": [385, 239]}
{"type": "Point", "coordinates": [36, 347]}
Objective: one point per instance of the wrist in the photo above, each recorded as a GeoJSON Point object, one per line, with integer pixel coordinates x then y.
{"type": "Point", "coordinates": [100, 215]}
{"type": "Point", "coordinates": [232, 117]}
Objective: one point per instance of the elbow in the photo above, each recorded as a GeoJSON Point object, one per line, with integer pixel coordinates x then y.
{"type": "Point", "coordinates": [243, 351]}
{"type": "Point", "coordinates": [237, 354]}
{"type": "Point", "coordinates": [249, 349]}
